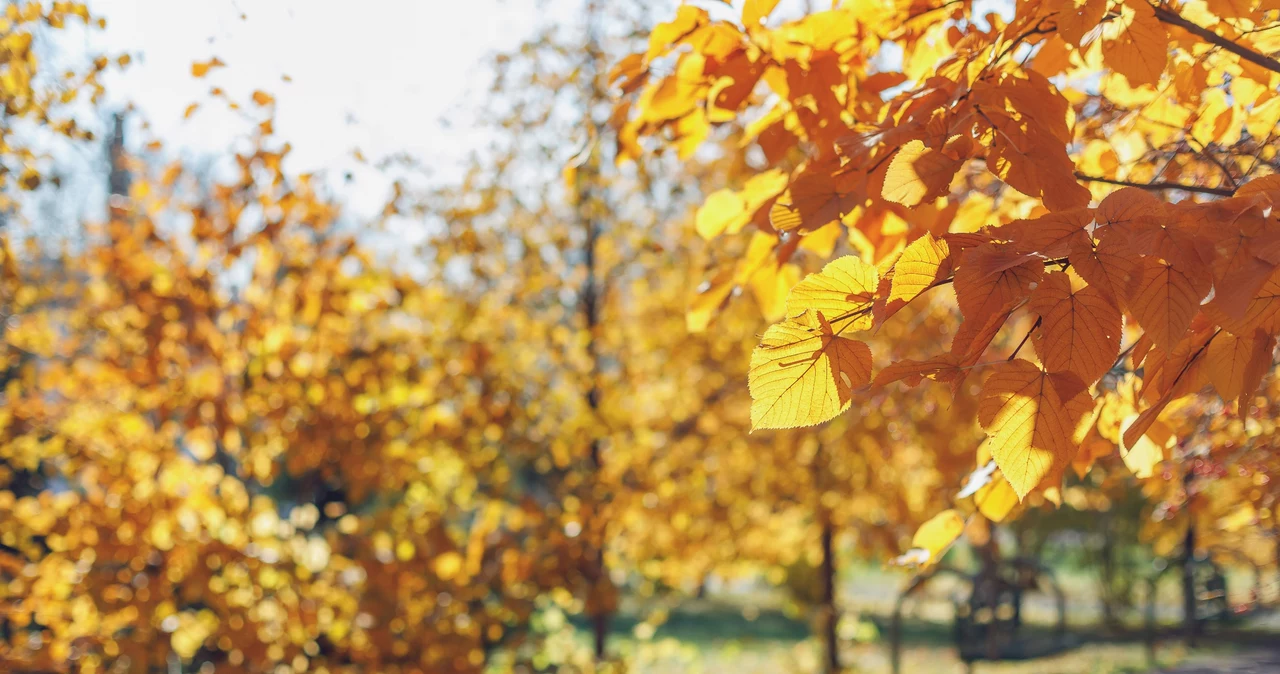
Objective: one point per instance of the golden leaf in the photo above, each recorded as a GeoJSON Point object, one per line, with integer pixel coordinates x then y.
{"type": "Point", "coordinates": [803, 373]}
{"type": "Point", "coordinates": [1030, 417]}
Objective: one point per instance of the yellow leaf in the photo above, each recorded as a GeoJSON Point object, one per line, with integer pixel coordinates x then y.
{"type": "Point", "coordinates": [842, 293]}
{"type": "Point", "coordinates": [706, 304]}
{"type": "Point", "coordinates": [727, 211]}
{"type": "Point", "coordinates": [1030, 417]}
{"type": "Point", "coordinates": [755, 11]}
{"type": "Point", "coordinates": [1147, 450]}
{"type": "Point", "coordinates": [803, 373]}
{"type": "Point", "coordinates": [924, 263]}
{"type": "Point", "coordinates": [996, 499]}
{"type": "Point", "coordinates": [263, 98]}
{"type": "Point", "coordinates": [937, 534]}
{"type": "Point", "coordinates": [770, 285]}
{"type": "Point", "coordinates": [721, 208]}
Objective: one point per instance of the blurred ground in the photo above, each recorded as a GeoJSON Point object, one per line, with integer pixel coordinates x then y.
{"type": "Point", "coordinates": [759, 633]}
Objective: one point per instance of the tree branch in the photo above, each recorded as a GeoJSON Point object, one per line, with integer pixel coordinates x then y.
{"type": "Point", "coordinates": [1174, 19]}
{"type": "Point", "coordinates": [1216, 191]}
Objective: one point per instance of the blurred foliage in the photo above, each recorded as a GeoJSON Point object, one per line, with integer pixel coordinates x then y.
{"type": "Point", "coordinates": [239, 436]}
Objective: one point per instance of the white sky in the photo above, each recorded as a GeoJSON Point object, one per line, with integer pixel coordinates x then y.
{"type": "Point", "coordinates": [373, 74]}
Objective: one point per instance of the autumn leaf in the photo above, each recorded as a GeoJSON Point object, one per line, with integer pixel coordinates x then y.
{"type": "Point", "coordinates": [991, 277]}
{"type": "Point", "coordinates": [1236, 364]}
{"type": "Point", "coordinates": [913, 372]}
{"type": "Point", "coordinates": [755, 11]}
{"type": "Point", "coordinates": [1030, 417]}
{"type": "Point", "coordinates": [1164, 300]}
{"type": "Point", "coordinates": [1262, 311]}
{"type": "Point", "coordinates": [1075, 19]}
{"type": "Point", "coordinates": [997, 500]}
{"type": "Point", "coordinates": [1106, 266]}
{"type": "Point", "coordinates": [803, 373]}
{"type": "Point", "coordinates": [1148, 450]}
{"type": "Point", "coordinates": [1050, 235]}
{"type": "Point", "coordinates": [708, 302]}
{"type": "Point", "coordinates": [816, 199]}
{"type": "Point", "coordinates": [202, 68]}
{"type": "Point", "coordinates": [842, 293]}
{"type": "Point", "coordinates": [728, 211]}
{"type": "Point", "coordinates": [918, 174]}
{"type": "Point", "coordinates": [1135, 44]}
{"type": "Point", "coordinates": [923, 264]}
{"type": "Point", "coordinates": [1079, 331]}
{"type": "Point", "coordinates": [933, 538]}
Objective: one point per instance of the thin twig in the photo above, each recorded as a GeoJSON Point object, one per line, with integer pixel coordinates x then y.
{"type": "Point", "coordinates": [1216, 191]}
{"type": "Point", "coordinates": [1024, 339]}
{"type": "Point", "coordinates": [1174, 19]}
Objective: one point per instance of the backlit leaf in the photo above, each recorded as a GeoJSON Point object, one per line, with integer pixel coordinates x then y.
{"type": "Point", "coordinates": [803, 373]}
{"type": "Point", "coordinates": [842, 293]}
{"type": "Point", "coordinates": [1030, 417]}
{"type": "Point", "coordinates": [1080, 329]}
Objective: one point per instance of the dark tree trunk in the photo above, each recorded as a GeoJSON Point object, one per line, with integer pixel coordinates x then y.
{"type": "Point", "coordinates": [829, 613]}
{"type": "Point", "coordinates": [1189, 585]}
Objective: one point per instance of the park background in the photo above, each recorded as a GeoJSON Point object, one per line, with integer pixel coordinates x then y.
{"type": "Point", "coordinates": [334, 342]}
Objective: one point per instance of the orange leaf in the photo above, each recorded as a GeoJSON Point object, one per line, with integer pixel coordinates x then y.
{"type": "Point", "coordinates": [1077, 18]}
{"type": "Point", "coordinates": [1236, 365]}
{"type": "Point", "coordinates": [1105, 265]}
{"type": "Point", "coordinates": [991, 277]}
{"type": "Point", "coordinates": [1262, 312]}
{"type": "Point", "coordinates": [200, 69]}
{"type": "Point", "coordinates": [1164, 301]}
{"type": "Point", "coordinates": [1080, 330]}
{"type": "Point", "coordinates": [1049, 235]}
{"type": "Point", "coordinates": [914, 371]}
{"type": "Point", "coordinates": [1135, 44]}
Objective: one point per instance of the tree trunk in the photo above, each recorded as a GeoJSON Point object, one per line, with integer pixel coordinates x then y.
{"type": "Point", "coordinates": [588, 205]}
{"type": "Point", "coordinates": [1188, 568]}
{"type": "Point", "coordinates": [828, 613]}
{"type": "Point", "coordinates": [1107, 569]}
{"type": "Point", "coordinates": [1189, 585]}
{"type": "Point", "coordinates": [600, 630]}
